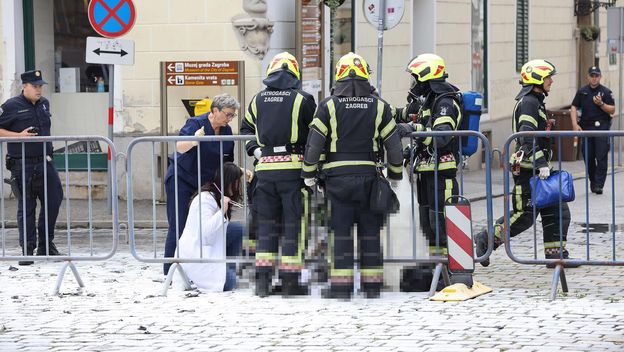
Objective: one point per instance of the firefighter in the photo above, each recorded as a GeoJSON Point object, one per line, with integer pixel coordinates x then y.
{"type": "Point", "coordinates": [279, 117]}
{"type": "Point", "coordinates": [529, 114]}
{"type": "Point", "coordinates": [347, 128]}
{"type": "Point", "coordinates": [433, 105]}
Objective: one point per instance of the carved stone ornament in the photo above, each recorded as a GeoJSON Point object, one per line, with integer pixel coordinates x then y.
{"type": "Point", "coordinates": [253, 28]}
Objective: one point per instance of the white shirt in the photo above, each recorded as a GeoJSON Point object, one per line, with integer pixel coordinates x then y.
{"type": "Point", "coordinates": [207, 276]}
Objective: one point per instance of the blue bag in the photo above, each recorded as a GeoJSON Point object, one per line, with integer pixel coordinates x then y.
{"type": "Point", "coordinates": [545, 193]}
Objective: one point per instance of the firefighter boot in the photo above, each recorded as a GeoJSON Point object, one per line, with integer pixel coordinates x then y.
{"type": "Point", "coordinates": [291, 285]}
{"type": "Point", "coordinates": [481, 245]}
{"type": "Point", "coordinates": [263, 283]}
{"type": "Point", "coordinates": [371, 289]}
{"type": "Point", "coordinates": [337, 291]}
{"type": "Point", "coordinates": [553, 253]}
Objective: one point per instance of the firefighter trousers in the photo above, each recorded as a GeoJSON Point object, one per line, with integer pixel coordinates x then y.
{"type": "Point", "coordinates": [349, 205]}
{"type": "Point", "coordinates": [431, 217]}
{"type": "Point", "coordinates": [522, 216]}
{"type": "Point", "coordinates": [282, 210]}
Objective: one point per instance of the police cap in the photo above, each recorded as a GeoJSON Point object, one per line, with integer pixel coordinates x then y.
{"type": "Point", "coordinates": [33, 77]}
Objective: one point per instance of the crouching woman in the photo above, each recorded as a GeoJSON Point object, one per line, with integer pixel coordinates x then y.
{"type": "Point", "coordinates": [205, 230]}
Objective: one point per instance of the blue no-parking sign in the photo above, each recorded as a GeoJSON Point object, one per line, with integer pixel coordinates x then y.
{"type": "Point", "coordinates": [111, 18]}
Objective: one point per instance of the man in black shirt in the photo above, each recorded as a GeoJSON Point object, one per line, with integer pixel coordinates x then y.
{"type": "Point", "coordinates": [596, 104]}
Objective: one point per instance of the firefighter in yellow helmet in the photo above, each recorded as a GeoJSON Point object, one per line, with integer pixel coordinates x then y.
{"type": "Point", "coordinates": [529, 114]}
{"type": "Point", "coordinates": [433, 105]}
{"type": "Point", "coordinates": [279, 116]}
{"type": "Point", "coordinates": [348, 128]}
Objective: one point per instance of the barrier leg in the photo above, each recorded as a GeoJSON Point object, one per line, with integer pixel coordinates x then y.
{"type": "Point", "coordinates": [61, 275]}
{"type": "Point", "coordinates": [559, 274]}
{"type": "Point", "coordinates": [436, 277]}
{"type": "Point", "coordinates": [172, 269]}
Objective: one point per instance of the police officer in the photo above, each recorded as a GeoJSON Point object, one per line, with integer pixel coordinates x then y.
{"type": "Point", "coordinates": [279, 117]}
{"type": "Point", "coordinates": [529, 114]}
{"type": "Point", "coordinates": [348, 127]}
{"type": "Point", "coordinates": [596, 103]}
{"type": "Point", "coordinates": [222, 111]}
{"type": "Point", "coordinates": [434, 105]}
{"type": "Point", "coordinates": [28, 115]}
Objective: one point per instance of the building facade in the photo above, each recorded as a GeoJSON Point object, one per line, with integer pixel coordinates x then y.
{"type": "Point", "coordinates": [482, 41]}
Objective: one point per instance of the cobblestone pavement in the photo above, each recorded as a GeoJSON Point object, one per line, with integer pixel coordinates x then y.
{"type": "Point", "coordinates": [119, 309]}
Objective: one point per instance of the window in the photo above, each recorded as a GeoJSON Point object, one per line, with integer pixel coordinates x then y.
{"type": "Point", "coordinates": [478, 50]}
{"type": "Point", "coordinates": [522, 33]}
{"type": "Point", "coordinates": [71, 29]}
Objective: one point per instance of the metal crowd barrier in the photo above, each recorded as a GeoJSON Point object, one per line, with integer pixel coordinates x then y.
{"type": "Point", "coordinates": [155, 254]}
{"type": "Point", "coordinates": [441, 262]}
{"type": "Point", "coordinates": [608, 258]}
{"type": "Point", "coordinates": [76, 251]}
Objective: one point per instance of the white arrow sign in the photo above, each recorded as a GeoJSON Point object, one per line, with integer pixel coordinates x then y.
{"type": "Point", "coordinates": [109, 51]}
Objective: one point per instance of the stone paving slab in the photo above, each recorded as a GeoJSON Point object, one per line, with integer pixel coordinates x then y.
{"type": "Point", "coordinates": [120, 310]}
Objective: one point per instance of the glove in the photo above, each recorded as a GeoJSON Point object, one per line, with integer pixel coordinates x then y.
{"type": "Point", "coordinates": [404, 129]}
{"type": "Point", "coordinates": [200, 132]}
{"type": "Point", "coordinates": [257, 153]}
{"type": "Point", "coordinates": [309, 181]}
{"type": "Point", "coordinates": [544, 172]}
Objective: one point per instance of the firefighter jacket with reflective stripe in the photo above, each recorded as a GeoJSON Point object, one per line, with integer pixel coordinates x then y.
{"type": "Point", "coordinates": [437, 114]}
{"type": "Point", "coordinates": [279, 119]}
{"type": "Point", "coordinates": [530, 115]}
{"type": "Point", "coordinates": [348, 130]}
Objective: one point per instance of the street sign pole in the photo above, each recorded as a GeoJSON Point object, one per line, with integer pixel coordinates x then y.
{"type": "Point", "coordinates": [111, 114]}
{"type": "Point", "coordinates": [621, 41]}
{"type": "Point", "coordinates": [380, 32]}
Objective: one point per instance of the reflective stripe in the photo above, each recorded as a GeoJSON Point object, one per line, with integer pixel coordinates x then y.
{"type": "Point", "coordinates": [309, 168]}
{"type": "Point", "coordinates": [529, 119]}
{"type": "Point", "coordinates": [294, 259]}
{"type": "Point", "coordinates": [254, 107]}
{"type": "Point", "coordinates": [396, 169]}
{"type": "Point", "coordinates": [377, 124]}
{"type": "Point", "coordinates": [426, 113]}
{"type": "Point", "coordinates": [388, 129]}
{"type": "Point", "coordinates": [248, 115]}
{"type": "Point", "coordinates": [541, 114]}
{"type": "Point", "coordinates": [372, 271]}
{"type": "Point", "coordinates": [348, 163]}
{"type": "Point", "coordinates": [448, 189]}
{"type": "Point", "coordinates": [438, 250]}
{"type": "Point", "coordinates": [333, 123]}
{"type": "Point", "coordinates": [303, 231]}
{"type": "Point", "coordinates": [265, 256]}
{"type": "Point", "coordinates": [283, 165]}
{"type": "Point", "coordinates": [519, 198]}
{"type": "Point", "coordinates": [427, 140]}
{"type": "Point", "coordinates": [341, 272]}
{"type": "Point", "coordinates": [294, 130]}
{"type": "Point", "coordinates": [319, 125]}
{"type": "Point", "coordinates": [556, 244]}
{"type": "Point", "coordinates": [444, 119]}
{"type": "Point", "coordinates": [441, 166]}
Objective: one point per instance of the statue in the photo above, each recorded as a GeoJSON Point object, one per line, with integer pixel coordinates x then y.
{"type": "Point", "coordinates": [253, 28]}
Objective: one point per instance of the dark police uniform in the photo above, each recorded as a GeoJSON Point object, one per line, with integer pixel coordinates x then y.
{"type": "Point", "coordinates": [31, 167]}
{"type": "Point", "coordinates": [347, 127]}
{"type": "Point", "coordinates": [279, 117]}
{"type": "Point", "coordinates": [187, 173]}
{"type": "Point", "coordinates": [594, 118]}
